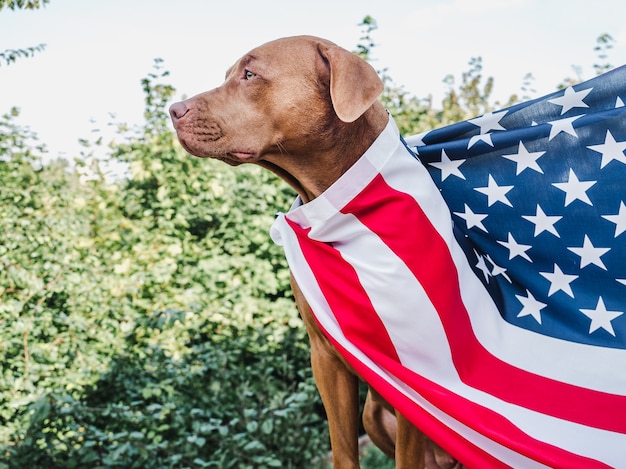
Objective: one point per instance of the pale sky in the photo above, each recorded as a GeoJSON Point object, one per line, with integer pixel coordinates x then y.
{"type": "Point", "coordinates": [98, 50]}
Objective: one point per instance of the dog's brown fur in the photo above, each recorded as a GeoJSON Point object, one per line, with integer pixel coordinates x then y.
{"type": "Point", "coordinates": [307, 109]}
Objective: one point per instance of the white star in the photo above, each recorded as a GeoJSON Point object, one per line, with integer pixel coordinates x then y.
{"type": "Point", "coordinates": [472, 219]}
{"type": "Point", "coordinates": [489, 121]}
{"type": "Point", "coordinates": [416, 140]}
{"type": "Point", "coordinates": [516, 249]}
{"type": "Point", "coordinates": [495, 193]}
{"type": "Point", "coordinates": [543, 222]}
{"type": "Point", "coordinates": [610, 149]}
{"type": "Point", "coordinates": [619, 220]}
{"type": "Point", "coordinates": [619, 102]}
{"type": "Point", "coordinates": [525, 159]}
{"type": "Point", "coordinates": [601, 317]}
{"type": "Point", "coordinates": [480, 138]}
{"type": "Point", "coordinates": [449, 167]}
{"type": "Point", "coordinates": [530, 306]}
{"type": "Point", "coordinates": [559, 281]}
{"type": "Point", "coordinates": [621, 280]}
{"type": "Point", "coordinates": [590, 254]}
{"type": "Point", "coordinates": [571, 99]}
{"type": "Point", "coordinates": [482, 266]}
{"type": "Point", "coordinates": [575, 189]}
{"type": "Point", "coordinates": [563, 125]}
{"type": "Point", "coordinates": [497, 270]}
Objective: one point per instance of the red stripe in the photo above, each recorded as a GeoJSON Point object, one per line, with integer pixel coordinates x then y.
{"type": "Point", "coordinates": [361, 326]}
{"type": "Point", "coordinates": [359, 319]}
{"type": "Point", "coordinates": [426, 255]}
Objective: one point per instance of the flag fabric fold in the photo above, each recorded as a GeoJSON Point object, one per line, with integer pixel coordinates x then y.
{"type": "Point", "coordinates": [475, 275]}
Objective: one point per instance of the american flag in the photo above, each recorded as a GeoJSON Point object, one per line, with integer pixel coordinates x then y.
{"type": "Point", "coordinates": [475, 275]}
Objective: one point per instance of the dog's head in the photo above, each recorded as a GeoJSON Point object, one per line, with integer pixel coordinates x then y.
{"type": "Point", "coordinates": [282, 98]}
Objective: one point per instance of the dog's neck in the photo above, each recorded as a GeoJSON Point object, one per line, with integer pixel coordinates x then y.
{"type": "Point", "coordinates": [311, 174]}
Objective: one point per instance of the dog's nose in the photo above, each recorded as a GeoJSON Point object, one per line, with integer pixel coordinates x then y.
{"type": "Point", "coordinates": [178, 111]}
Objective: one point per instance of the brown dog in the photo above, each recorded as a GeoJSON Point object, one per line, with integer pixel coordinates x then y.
{"type": "Point", "coordinates": [307, 109]}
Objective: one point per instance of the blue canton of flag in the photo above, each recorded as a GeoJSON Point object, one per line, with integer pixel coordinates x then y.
{"type": "Point", "coordinates": [538, 197]}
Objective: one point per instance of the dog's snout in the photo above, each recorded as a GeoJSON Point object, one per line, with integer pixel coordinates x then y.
{"type": "Point", "coordinates": [178, 111]}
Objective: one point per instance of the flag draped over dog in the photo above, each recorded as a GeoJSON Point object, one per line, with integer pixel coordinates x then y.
{"type": "Point", "coordinates": [475, 276]}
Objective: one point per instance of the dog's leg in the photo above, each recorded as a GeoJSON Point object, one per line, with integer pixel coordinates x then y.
{"type": "Point", "coordinates": [380, 424]}
{"type": "Point", "coordinates": [393, 434]}
{"type": "Point", "coordinates": [339, 390]}
{"type": "Point", "coordinates": [410, 445]}
{"type": "Point", "coordinates": [338, 387]}
{"type": "Point", "coordinates": [437, 458]}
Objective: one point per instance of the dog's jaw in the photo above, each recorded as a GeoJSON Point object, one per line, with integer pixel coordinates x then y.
{"type": "Point", "coordinates": [206, 139]}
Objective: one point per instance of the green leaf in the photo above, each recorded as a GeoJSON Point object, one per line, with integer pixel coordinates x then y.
{"type": "Point", "coordinates": [267, 426]}
{"type": "Point", "coordinates": [254, 445]}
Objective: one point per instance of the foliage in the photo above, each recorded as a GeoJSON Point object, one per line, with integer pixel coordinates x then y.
{"type": "Point", "coordinates": [22, 4]}
{"type": "Point", "coordinates": [604, 43]}
{"type": "Point", "coordinates": [147, 321]}
{"type": "Point", "coordinates": [11, 55]}
{"type": "Point", "coordinates": [373, 458]}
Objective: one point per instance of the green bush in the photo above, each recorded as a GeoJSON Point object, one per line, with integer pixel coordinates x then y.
{"type": "Point", "coordinates": [188, 390]}
{"type": "Point", "coordinates": [148, 322]}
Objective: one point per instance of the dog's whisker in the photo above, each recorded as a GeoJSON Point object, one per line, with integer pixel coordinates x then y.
{"type": "Point", "coordinates": [281, 148]}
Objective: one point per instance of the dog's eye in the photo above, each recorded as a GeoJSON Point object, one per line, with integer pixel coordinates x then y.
{"type": "Point", "coordinates": [248, 75]}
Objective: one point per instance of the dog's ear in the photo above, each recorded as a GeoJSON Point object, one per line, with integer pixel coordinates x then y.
{"type": "Point", "coordinates": [354, 84]}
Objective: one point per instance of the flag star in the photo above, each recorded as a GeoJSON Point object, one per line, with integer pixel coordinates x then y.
{"type": "Point", "coordinates": [472, 219]}
{"type": "Point", "coordinates": [482, 266]}
{"type": "Point", "coordinates": [489, 121]}
{"type": "Point", "coordinates": [525, 159]}
{"type": "Point", "coordinates": [563, 125]}
{"type": "Point", "coordinates": [495, 193]}
{"type": "Point", "coordinates": [590, 254]}
{"type": "Point", "coordinates": [449, 167]}
{"type": "Point", "coordinates": [530, 306]}
{"type": "Point", "coordinates": [497, 270]}
{"type": "Point", "coordinates": [516, 249]}
{"type": "Point", "coordinates": [559, 281]}
{"type": "Point", "coordinates": [416, 140]}
{"type": "Point", "coordinates": [601, 317]}
{"type": "Point", "coordinates": [571, 99]}
{"type": "Point", "coordinates": [480, 138]}
{"type": "Point", "coordinates": [610, 150]}
{"type": "Point", "coordinates": [619, 102]}
{"type": "Point", "coordinates": [575, 189]}
{"type": "Point", "coordinates": [621, 280]}
{"type": "Point", "coordinates": [543, 222]}
{"type": "Point", "coordinates": [619, 220]}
